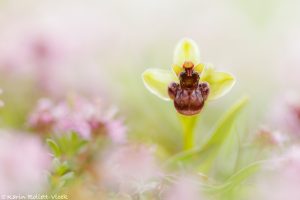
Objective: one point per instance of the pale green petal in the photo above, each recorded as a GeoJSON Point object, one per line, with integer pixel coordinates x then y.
{"type": "Point", "coordinates": [199, 68]}
{"type": "Point", "coordinates": [177, 70]}
{"type": "Point", "coordinates": [219, 82]}
{"type": "Point", "coordinates": [186, 50]}
{"type": "Point", "coordinates": [158, 80]}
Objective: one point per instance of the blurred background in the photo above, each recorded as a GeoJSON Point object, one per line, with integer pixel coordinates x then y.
{"type": "Point", "coordinates": [53, 48]}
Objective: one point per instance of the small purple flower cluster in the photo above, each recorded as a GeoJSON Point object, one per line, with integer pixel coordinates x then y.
{"type": "Point", "coordinates": [86, 118]}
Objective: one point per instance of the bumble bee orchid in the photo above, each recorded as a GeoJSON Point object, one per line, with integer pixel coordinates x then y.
{"type": "Point", "coordinates": [190, 83]}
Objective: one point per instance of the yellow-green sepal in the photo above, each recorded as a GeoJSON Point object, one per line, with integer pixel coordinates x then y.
{"type": "Point", "coordinates": [220, 83]}
{"type": "Point", "coordinates": [158, 80]}
{"type": "Point", "coordinates": [186, 50]}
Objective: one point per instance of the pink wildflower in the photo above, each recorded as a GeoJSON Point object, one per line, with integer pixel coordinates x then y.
{"type": "Point", "coordinates": [117, 131]}
{"type": "Point", "coordinates": [285, 114]}
{"type": "Point", "coordinates": [266, 136]}
{"type": "Point", "coordinates": [42, 117]}
{"type": "Point", "coordinates": [87, 118]}
{"type": "Point", "coordinates": [131, 169]}
{"type": "Point", "coordinates": [281, 179]}
{"type": "Point", "coordinates": [56, 46]}
{"type": "Point", "coordinates": [186, 187]}
{"type": "Point", "coordinates": [23, 164]}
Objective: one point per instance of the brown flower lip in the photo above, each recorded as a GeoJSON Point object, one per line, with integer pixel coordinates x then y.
{"type": "Point", "coordinates": [189, 95]}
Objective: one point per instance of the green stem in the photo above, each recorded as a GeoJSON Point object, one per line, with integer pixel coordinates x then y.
{"type": "Point", "coordinates": [188, 128]}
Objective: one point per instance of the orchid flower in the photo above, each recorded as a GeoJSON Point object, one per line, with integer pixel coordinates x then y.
{"type": "Point", "coordinates": [189, 84]}
{"type": "Point", "coordinates": [187, 52]}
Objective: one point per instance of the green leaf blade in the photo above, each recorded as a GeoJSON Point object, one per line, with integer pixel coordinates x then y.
{"type": "Point", "coordinates": [54, 147]}
{"type": "Point", "coordinates": [220, 134]}
{"type": "Point", "coordinates": [209, 151]}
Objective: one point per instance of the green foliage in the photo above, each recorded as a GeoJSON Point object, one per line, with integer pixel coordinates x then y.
{"type": "Point", "coordinates": [214, 156]}
{"type": "Point", "coordinates": [66, 149]}
{"type": "Point", "coordinates": [61, 175]}
{"type": "Point", "coordinates": [54, 147]}
{"type": "Point", "coordinates": [209, 151]}
{"type": "Point", "coordinates": [223, 130]}
{"type": "Point", "coordinates": [188, 126]}
{"type": "Point", "coordinates": [70, 144]}
{"type": "Point", "coordinates": [236, 179]}
{"type": "Point", "coordinates": [227, 189]}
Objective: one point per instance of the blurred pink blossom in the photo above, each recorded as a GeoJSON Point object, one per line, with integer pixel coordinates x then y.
{"type": "Point", "coordinates": [265, 136]}
{"type": "Point", "coordinates": [57, 44]}
{"type": "Point", "coordinates": [41, 118]}
{"type": "Point", "coordinates": [116, 130]}
{"type": "Point", "coordinates": [130, 169]}
{"type": "Point", "coordinates": [23, 164]}
{"type": "Point", "coordinates": [281, 179]}
{"type": "Point", "coordinates": [285, 114]}
{"type": "Point", "coordinates": [186, 187]}
{"type": "Point", "coordinates": [87, 118]}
